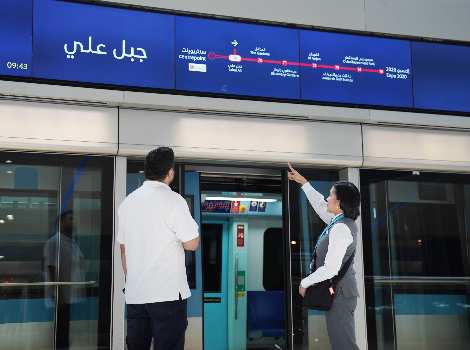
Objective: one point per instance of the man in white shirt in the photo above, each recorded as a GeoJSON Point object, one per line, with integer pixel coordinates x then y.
{"type": "Point", "coordinates": [64, 262]}
{"type": "Point", "coordinates": [155, 227]}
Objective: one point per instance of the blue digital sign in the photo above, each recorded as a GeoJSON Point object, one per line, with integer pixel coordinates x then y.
{"type": "Point", "coordinates": [236, 58]}
{"type": "Point", "coordinates": [99, 44]}
{"type": "Point", "coordinates": [441, 76]}
{"type": "Point", "coordinates": [16, 37]}
{"type": "Point", "coordinates": [355, 69]}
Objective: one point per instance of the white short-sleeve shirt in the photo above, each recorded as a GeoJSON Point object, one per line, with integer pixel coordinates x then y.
{"type": "Point", "coordinates": [153, 222]}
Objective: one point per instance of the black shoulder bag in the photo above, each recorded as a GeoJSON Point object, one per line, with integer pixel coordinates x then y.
{"type": "Point", "coordinates": [320, 296]}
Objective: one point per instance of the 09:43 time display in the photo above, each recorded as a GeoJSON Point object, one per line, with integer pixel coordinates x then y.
{"type": "Point", "coordinates": [17, 65]}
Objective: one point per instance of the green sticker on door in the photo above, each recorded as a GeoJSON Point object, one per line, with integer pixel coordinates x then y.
{"type": "Point", "coordinates": [241, 281]}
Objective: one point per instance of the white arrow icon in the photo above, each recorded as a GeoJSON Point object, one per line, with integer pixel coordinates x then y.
{"type": "Point", "coordinates": [234, 43]}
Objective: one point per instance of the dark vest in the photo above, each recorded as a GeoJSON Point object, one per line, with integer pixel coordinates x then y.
{"type": "Point", "coordinates": [348, 284]}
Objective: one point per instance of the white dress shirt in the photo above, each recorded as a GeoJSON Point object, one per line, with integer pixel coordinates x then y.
{"type": "Point", "coordinates": [71, 267]}
{"type": "Point", "coordinates": [154, 221]}
{"type": "Point", "coordinates": [340, 238]}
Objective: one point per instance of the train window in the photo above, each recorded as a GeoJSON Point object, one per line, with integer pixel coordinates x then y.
{"type": "Point", "coordinates": [273, 257]}
{"type": "Point", "coordinates": [212, 257]}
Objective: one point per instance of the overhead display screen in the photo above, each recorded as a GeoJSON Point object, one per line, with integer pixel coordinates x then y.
{"type": "Point", "coordinates": [441, 76]}
{"type": "Point", "coordinates": [236, 58]}
{"type": "Point", "coordinates": [16, 18]}
{"type": "Point", "coordinates": [355, 69]}
{"type": "Point", "coordinates": [76, 42]}
{"type": "Point", "coordinates": [99, 44]}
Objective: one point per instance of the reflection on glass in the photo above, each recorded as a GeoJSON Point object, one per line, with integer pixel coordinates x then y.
{"type": "Point", "coordinates": [82, 235]}
{"type": "Point", "coordinates": [64, 262]}
{"type": "Point", "coordinates": [416, 240]}
{"type": "Point", "coordinates": [28, 208]}
{"type": "Point", "coordinates": [51, 262]}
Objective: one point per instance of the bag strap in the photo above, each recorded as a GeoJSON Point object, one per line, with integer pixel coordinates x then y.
{"type": "Point", "coordinates": [343, 269]}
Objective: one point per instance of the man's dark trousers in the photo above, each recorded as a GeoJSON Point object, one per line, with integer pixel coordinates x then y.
{"type": "Point", "coordinates": [166, 322]}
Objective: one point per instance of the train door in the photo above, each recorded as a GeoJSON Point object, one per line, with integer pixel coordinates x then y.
{"type": "Point", "coordinates": [243, 261]}
{"type": "Point", "coordinates": [215, 286]}
{"type": "Point", "coordinates": [258, 232]}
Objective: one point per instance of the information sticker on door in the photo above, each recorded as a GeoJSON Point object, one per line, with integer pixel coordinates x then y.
{"type": "Point", "coordinates": [241, 281]}
{"type": "Point", "coordinates": [240, 235]}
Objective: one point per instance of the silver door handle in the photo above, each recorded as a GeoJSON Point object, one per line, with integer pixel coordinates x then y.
{"type": "Point", "coordinates": [236, 287]}
{"type": "Point", "coordinates": [46, 284]}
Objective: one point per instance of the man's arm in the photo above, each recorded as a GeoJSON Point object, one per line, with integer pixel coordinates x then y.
{"type": "Point", "coordinates": [183, 225]}
{"type": "Point", "coordinates": [123, 259]}
{"type": "Point", "coordinates": [191, 245]}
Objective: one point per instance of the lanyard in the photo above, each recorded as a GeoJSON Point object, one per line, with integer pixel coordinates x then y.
{"type": "Point", "coordinates": [328, 227]}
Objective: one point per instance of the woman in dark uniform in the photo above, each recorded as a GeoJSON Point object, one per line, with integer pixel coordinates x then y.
{"type": "Point", "coordinates": [334, 247]}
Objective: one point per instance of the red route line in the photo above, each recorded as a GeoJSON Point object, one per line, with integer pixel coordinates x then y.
{"type": "Point", "coordinates": [213, 56]}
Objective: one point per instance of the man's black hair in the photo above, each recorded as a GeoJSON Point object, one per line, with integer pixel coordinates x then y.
{"type": "Point", "coordinates": [158, 163]}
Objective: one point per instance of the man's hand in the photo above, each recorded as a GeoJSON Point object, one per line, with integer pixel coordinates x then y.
{"type": "Point", "coordinates": [191, 245]}
{"type": "Point", "coordinates": [294, 175]}
{"type": "Point", "coordinates": [123, 259]}
{"type": "Point", "coordinates": [302, 291]}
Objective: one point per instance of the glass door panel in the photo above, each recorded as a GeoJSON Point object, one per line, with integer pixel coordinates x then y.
{"type": "Point", "coordinates": [55, 251]}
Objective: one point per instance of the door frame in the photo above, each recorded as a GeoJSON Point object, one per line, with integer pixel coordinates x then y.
{"type": "Point", "coordinates": [350, 174]}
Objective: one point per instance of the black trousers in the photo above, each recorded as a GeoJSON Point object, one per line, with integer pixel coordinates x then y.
{"type": "Point", "coordinates": [165, 322]}
{"type": "Point", "coordinates": [63, 326]}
